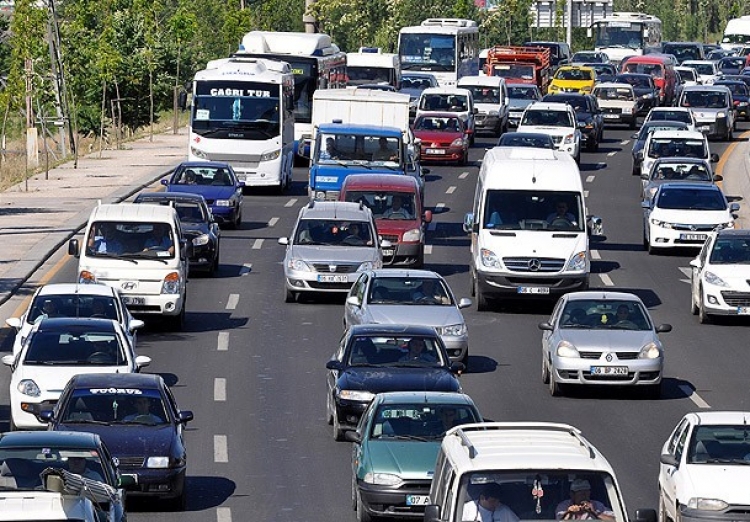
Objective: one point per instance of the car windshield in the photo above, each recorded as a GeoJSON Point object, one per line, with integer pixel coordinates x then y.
{"type": "Point", "coordinates": [547, 118]}
{"type": "Point", "coordinates": [483, 93]}
{"type": "Point", "coordinates": [688, 75]}
{"type": "Point", "coordinates": [133, 240]}
{"type": "Point", "coordinates": [383, 350]}
{"type": "Point", "coordinates": [604, 314]}
{"type": "Point", "coordinates": [635, 81]}
{"type": "Point", "coordinates": [72, 305]}
{"type": "Point", "coordinates": [214, 176]}
{"type": "Point", "coordinates": [75, 347]}
{"type": "Point", "coordinates": [20, 468]}
{"type": "Point", "coordinates": [533, 210]}
{"type": "Point", "coordinates": [671, 147]}
{"type": "Point", "coordinates": [190, 212]}
{"type": "Point", "coordinates": [128, 406]}
{"type": "Point", "coordinates": [519, 139]}
{"type": "Point", "coordinates": [444, 102]}
{"type": "Point", "coordinates": [333, 232]}
{"type": "Point", "coordinates": [351, 149]}
{"type": "Point", "coordinates": [690, 199]}
{"type": "Point", "coordinates": [438, 124]}
{"type": "Point", "coordinates": [420, 421]}
{"type": "Point", "coordinates": [719, 444]}
{"type": "Point", "coordinates": [654, 69]}
{"type": "Point", "coordinates": [385, 204]}
{"type": "Point", "coordinates": [417, 291]}
{"type": "Point", "coordinates": [732, 62]}
{"type": "Point", "coordinates": [682, 52]}
{"type": "Point", "coordinates": [704, 99]}
{"type": "Point", "coordinates": [703, 68]}
{"type": "Point", "coordinates": [731, 251]}
{"type": "Point", "coordinates": [677, 171]}
{"type": "Point", "coordinates": [523, 93]}
{"type": "Point", "coordinates": [614, 93]}
{"type": "Point", "coordinates": [574, 75]}
{"type": "Point", "coordinates": [668, 115]}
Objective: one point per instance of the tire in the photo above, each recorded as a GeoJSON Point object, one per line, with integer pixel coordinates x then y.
{"type": "Point", "coordinates": [693, 304]}
{"type": "Point", "coordinates": [482, 304]}
{"type": "Point", "coordinates": [12, 425]}
{"type": "Point", "coordinates": [578, 156]}
{"type": "Point", "coordinates": [290, 297]}
{"type": "Point", "coordinates": [651, 250]}
{"type": "Point", "coordinates": [215, 266]}
{"type": "Point", "coordinates": [633, 123]}
{"type": "Point", "coordinates": [555, 390]}
{"type": "Point", "coordinates": [703, 316]}
{"type": "Point", "coordinates": [362, 515]}
{"type": "Point", "coordinates": [238, 221]}
{"type": "Point", "coordinates": [473, 290]}
{"type": "Point", "coordinates": [545, 370]}
{"type": "Point", "coordinates": [338, 433]}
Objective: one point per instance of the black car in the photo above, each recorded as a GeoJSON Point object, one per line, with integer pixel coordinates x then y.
{"type": "Point", "coordinates": [588, 114]}
{"type": "Point", "coordinates": [605, 72]}
{"type": "Point", "coordinates": [24, 455]}
{"type": "Point", "coordinates": [139, 421]}
{"type": "Point", "coordinates": [197, 223]}
{"type": "Point", "coordinates": [738, 77]}
{"type": "Point", "coordinates": [371, 359]}
{"type": "Point", "coordinates": [646, 129]}
{"type": "Point", "coordinates": [740, 95]}
{"type": "Point", "coordinates": [536, 140]}
{"type": "Point", "coordinates": [645, 90]}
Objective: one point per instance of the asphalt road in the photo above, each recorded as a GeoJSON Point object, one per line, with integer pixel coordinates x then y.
{"type": "Point", "coordinates": [252, 368]}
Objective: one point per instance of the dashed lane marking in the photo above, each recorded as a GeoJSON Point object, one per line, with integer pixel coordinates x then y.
{"type": "Point", "coordinates": [624, 142]}
{"type": "Point", "coordinates": [291, 202]}
{"type": "Point", "coordinates": [440, 206]}
{"type": "Point", "coordinates": [610, 154]}
{"type": "Point", "coordinates": [222, 344]}
{"type": "Point", "coordinates": [693, 396]}
{"type": "Point", "coordinates": [450, 190]}
{"type": "Point", "coordinates": [257, 244]}
{"type": "Point", "coordinates": [427, 250]}
{"type": "Point", "coordinates": [246, 269]}
{"type": "Point", "coordinates": [220, 389]}
{"type": "Point", "coordinates": [595, 254]}
{"type": "Point", "coordinates": [687, 272]}
{"type": "Point", "coordinates": [223, 514]}
{"type": "Point", "coordinates": [232, 301]}
{"type": "Point", "coordinates": [590, 179]}
{"type": "Point", "coordinates": [463, 175]}
{"type": "Point", "coordinates": [221, 454]}
{"type": "Point", "coordinates": [606, 280]}
{"type": "Point", "coordinates": [273, 221]}
{"type": "Point", "coordinates": [585, 193]}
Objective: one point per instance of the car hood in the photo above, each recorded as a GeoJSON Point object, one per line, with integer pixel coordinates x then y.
{"type": "Point", "coordinates": [544, 129]}
{"type": "Point", "coordinates": [130, 440]}
{"type": "Point", "coordinates": [52, 379]}
{"type": "Point", "coordinates": [427, 315]}
{"type": "Point", "coordinates": [584, 116]}
{"type": "Point", "coordinates": [428, 137]}
{"type": "Point", "coordinates": [413, 460]}
{"type": "Point", "coordinates": [736, 275]}
{"type": "Point", "coordinates": [207, 191]}
{"type": "Point", "coordinates": [616, 103]}
{"type": "Point", "coordinates": [396, 226]}
{"type": "Point", "coordinates": [536, 243]}
{"type": "Point", "coordinates": [383, 379]}
{"type": "Point", "coordinates": [607, 340]}
{"type": "Point", "coordinates": [697, 217]}
{"type": "Point", "coordinates": [519, 105]}
{"type": "Point", "coordinates": [333, 254]}
{"type": "Point", "coordinates": [710, 481]}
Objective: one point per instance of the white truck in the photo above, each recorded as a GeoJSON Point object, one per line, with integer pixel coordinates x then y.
{"type": "Point", "coordinates": [736, 33]}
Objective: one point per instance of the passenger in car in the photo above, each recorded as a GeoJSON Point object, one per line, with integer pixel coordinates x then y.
{"type": "Point", "coordinates": [488, 507]}
{"type": "Point", "coordinates": [580, 506]}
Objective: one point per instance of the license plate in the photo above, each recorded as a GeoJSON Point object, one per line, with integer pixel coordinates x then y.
{"type": "Point", "coordinates": [134, 300]}
{"type": "Point", "coordinates": [704, 128]}
{"type": "Point", "coordinates": [609, 370]}
{"type": "Point", "coordinates": [435, 151]}
{"type": "Point", "coordinates": [533, 290]}
{"type": "Point", "coordinates": [388, 252]}
{"type": "Point", "coordinates": [611, 116]}
{"type": "Point", "coordinates": [417, 500]}
{"type": "Point", "coordinates": [333, 279]}
{"type": "Point", "coordinates": [743, 310]}
{"type": "Point", "coordinates": [693, 237]}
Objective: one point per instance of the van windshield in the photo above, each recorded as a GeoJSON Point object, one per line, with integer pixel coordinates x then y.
{"type": "Point", "coordinates": [131, 239]}
{"type": "Point", "coordinates": [533, 210]}
{"type": "Point", "coordinates": [654, 69]}
{"type": "Point", "coordinates": [386, 205]}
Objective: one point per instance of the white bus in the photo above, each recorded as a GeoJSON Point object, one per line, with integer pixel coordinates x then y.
{"type": "Point", "coordinates": [316, 62]}
{"type": "Point", "coordinates": [737, 33]}
{"type": "Point", "coordinates": [371, 65]}
{"type": "Point", "coordinates": [622, 34]}
{"type": "Point", "coordinates": [242, 114]}
{"type": "Point", "coordinates": [445, 47]}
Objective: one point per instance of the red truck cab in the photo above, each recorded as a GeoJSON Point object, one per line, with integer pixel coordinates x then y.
{"type": "Point", "coordinates": [400, 217]}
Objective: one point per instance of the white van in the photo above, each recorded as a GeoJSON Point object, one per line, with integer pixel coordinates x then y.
{"type": "Point", "coordinates": [138, 249]}
{"type": "Point", "coordinates": [491, 100]}
{"type": "Point", "coordinates": [372, 66]}
{"type": "Point", "coordinates": [532, 468]}
{"type": "Point", "coordinates": [528, 225]}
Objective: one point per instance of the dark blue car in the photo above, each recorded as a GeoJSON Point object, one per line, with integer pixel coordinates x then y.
{"type": "Point", "coordinates": [740, 96]}
{"type": "Point", "coordinates": [216, 182]}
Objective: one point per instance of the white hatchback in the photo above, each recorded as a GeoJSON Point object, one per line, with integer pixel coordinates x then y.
{"type": "Point", "coordinates": [559, 121]}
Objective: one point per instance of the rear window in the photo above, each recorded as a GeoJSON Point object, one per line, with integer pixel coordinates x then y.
{"type": "Point", "coordinates": [671, 147]}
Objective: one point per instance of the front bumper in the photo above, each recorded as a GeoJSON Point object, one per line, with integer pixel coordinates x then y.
{"type": "Point", "coordinates": [570, 148]}
{"type": "Point", "coordinates": [569, 370]}
{"type": "Point", "coordinates": [161, 304]}
{"type": "Point", "coordinates": [203, 257]}
{"type": "Point", "coordinates": [349, 413]}
{"type": "Point", "coordinates": [725, 301]}
{"type": "Point", "coordinates": [299, 281]}
{"type": "Point", "coordinates": [660, 237]}
{"type": "Point", "coordinates": [24, 410]}
{"type": "Point", "coordinates": [734, 513]}
{"type": "Point", "coordinates": [714, 129]}
{"type": "Point", "coordinates": [259, 174]}
{"type": "Point", "coordinates": [390, 501]}
{"type": "Point", "coordinates": [441, 154]}
{"type": "Point", "coordinates": [507, 284]}
{"type": "Point", "coordinates": [457, 346]}
{"type": "Point", "coordinates": [162, 483]}
{"type": "Point", "coordinates": [514, 118]}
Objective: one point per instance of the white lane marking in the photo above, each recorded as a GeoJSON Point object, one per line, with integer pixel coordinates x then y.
{"type": "Point", "coordinates": [427, 250]}
{"type": "Point", "coordinates": [220, 389]}
{"type": "Point", "coordinates": [585, 193]}
{"type": "Point", "coordinates": [291, 202]}
{"type": "Point", "coordinates": [220, 449]}
{"type": "Point", "coordinates": [595, 254]}
{"type": "Point", "coordinates": [223, 343]}
{"type": "Point", "coordinates": [610, 154]}
{"type": "Point", "coordinates": [589, 179]}
{"type": "Point", "coordinates": [246, 269]}
{"type": "Point", "coordinates": [463, 175]}
{"type": "Point", "coordinates": [257, 244]}
{"type": "Point", "coordinates": [693, 396]}
{"type": "Point", "coordinates": [232, 301]}
{"type": "Point", "coordinates": [606, 280]}
{"type": "Point", "coordinates": [601, 165]}
{"type": "Point", "coordinates": [624, 142]}
{"type": "Point", "coordinates": [450, 190]}
{"type": "Point", "coordinates": [440, 206]}
{"type": "Point", "coordinates": [687, 272]}
{"type": "Point", "coordinates": [273, 221]}
{"type": "Point", "coordinates": [223, 514]}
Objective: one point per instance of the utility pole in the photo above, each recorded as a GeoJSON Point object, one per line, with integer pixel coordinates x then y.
{"type": "Point", "coordinates": [311, 24]}
{"type": "Point", "coordinates": [59, 70]}
{"type": "Point", "coordinates": [56, 85]}
{"type": "Point", "coordinates": [569, 28]}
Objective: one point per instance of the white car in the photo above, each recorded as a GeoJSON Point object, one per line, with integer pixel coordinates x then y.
{"type": "Point", "coordinates": [674, 143]}
{"type": "Point", "coordinates": [559, 121]}
{"type": "Point", "coordinates": [682, 114]}
{"type": "Point", "coordinates": [617, 102]}
{"type": "Point", "coordinates": [449, 99]}
{"type": "Point", "coordinates": [54, 351]}
{"type": "Point", "coordinates": [719, 280]}
{"type": "Point", "coordinates": [703, 469]}
{"type": "Point", "coordinates": [708, 71]}
{"type": "Point", "coordinates": [688, 75]}
{"type": "Point", "coordinates": [74, 300]}
{"type": "Point", "coordinates": [683, 214]}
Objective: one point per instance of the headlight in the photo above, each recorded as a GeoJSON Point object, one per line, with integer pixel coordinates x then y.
{"type": "Point", "coordinates": [415, 234]}
{"type": "Point", "coordinates": [707, 504]}
{"type": "Point", "coordinates": [29, 387]}
{"type": "Point", "coordinates": [577, 262]}
{"type": "Point", "coordinates": [565, 349]}
{"type": "Point", "coordinates": [489, 259]}
{"type": "Point", "coordinates": [458, 142]}
{"type": "Point", "coordinates": [650, 351]}
{"type": "Point", "coordinates": [713, 279]}
{"type": "Point", "coordinates": [454, 329]}
{"type": "Point", "coordinates": [298, 264]}
{"type": "Point", "coordinates": [198, 153]}
{"type": "Point", "coordinates": [662, 224]}
{"type": "Point", "coordinates": [367, 265]}
{"type": "Point", "coordinates": [157, 462]}
{"type": "Point", "coordinates": [172, 284]}
{"type": "Point", "coordinates": [200, 240]}
{"type": "Point", "coordinates": [356, 395]}
{"type": "Point", "coordinates": [721, 114]}
{"type": "Point", "coordinates": [223, 203]}
{"type": "Point", "coordinates": [270, 156]}
{"type": "Point", "coordinates": [383, 479]}
{"type": "Point", "coordinates": [570, 138]}
{"type": "Point", "coordinates": [553, 88]}
{"type": "Point", "coordinates": [647, 96]}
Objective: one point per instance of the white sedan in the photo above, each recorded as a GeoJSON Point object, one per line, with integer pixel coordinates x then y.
{"type": "Point", "coordinates": [719, 280]}
{"type": "Point", "coordinates": [704, 471]}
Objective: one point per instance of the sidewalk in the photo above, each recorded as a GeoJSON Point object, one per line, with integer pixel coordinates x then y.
{"type": "Point", "coordinates": [34, 224]}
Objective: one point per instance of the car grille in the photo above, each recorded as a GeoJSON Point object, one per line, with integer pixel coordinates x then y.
{"type": "Point", "coordinates": [524, 264]}
{"type": "Point", "coordinates": [329, 286]}
{"type": "Point", "coordinates": [334, 268]}
{"type": "Point", "coordinates": [693, 228]}
{"type": "Point", "coordinates": [210, 202]}
{"type": "Point", "coordinates": [131, 462]}
{"type": "Point", "coordinates": [607, 377]}
{"type": "Point", "coordinates": [623, 356]}
{"type": "Point", "coordinates": [612, 110]}
{"type": "Point", "coordinates": [736, 298]}
{"type": "Point", "coordinates": [390, 237]}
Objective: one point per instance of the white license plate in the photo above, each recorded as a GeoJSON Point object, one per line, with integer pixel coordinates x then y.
{"type": "Point", "coordinates": [693, 237]}
{"type": "Point", "coordinates": [533, 290]}
{"type": "Point", "coordinates": [417, 500]}
{"type": "Point", "coordinates": [609, 370]}
{"type": "Point", "coordinates": [743, 310]}
{"type": "Point", "coordinates": [611, 116]}
{"type": "Point", "coordinates": [134, 300]}
{"type": "Point", "coordinates": [435, 151]}
{"type": "Point", "coordinates": [333, 279]}
{"type": "Point", "coordinates": [388, 252]}
{"type": "Point", "coordinates": [704, 128]}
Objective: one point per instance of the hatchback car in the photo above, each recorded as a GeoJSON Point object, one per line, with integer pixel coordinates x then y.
{"type": "Point", "coordinates": [413, 84]}
{"type": "Point", "coordinates": [372, 359]}
{"type": "Point", "coordinates": [395, 447]}
{"type": "Point", "coordinates": [216, 182]}
{"type": "Point", "coordinates": [639, 139]}
{"type": "Point", "coordinates": [740, 96]}
{"type": "Point", "coordinates": [683, 214]}
{"type": "Point", "coordinates": [674, 143]}
{"type": "Point", "coordinates": [443, 137]}
{"type": "Point", "coordinates": [559, 121]}
{"type": "Point", "coordinates": [667, 170]}
{"type": "Point", "coordinates": [588, 113]}
{"type": "Point", "coordinates": [571, 78]}
{"type": "Point", "coordinates": [713, 108]}
{"type": "Point", "coordinates": [720, 278]}
{"type": "Point", "coordinates": [535, 140]}
{"type": "Point", "coordinates": [602, 338]}
{"type": "Point", "coordinates": [138, 419]}
{"type": "Point", "coordinates": [459, 102]}
{"type": "Point", "coordinates": [419, 297]}
{"type": "Point", "coordinates": [520, 96]}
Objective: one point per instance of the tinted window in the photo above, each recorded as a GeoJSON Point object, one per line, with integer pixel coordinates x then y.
{"type": "Point", "coordinates": [75, 348]}
{"type": "Point", "coordinates": [690, 199]}
{"type": "Point", "coordinates": [731, 250]}
{"type": "Point", "coordinates": [604, 314]}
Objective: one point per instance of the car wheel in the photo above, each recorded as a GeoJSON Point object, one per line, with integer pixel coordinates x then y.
{"type": "Point", "coordinates": [362, 515]}
{"type": "Point", "coordinates": [555, 389]}
{"type": "Point", "coordinates": [291, 297]}
{"type": "Point", "coordinates": [329, 411]}
{"type": "Point", "coordinates": [693, 304]}
{"type": "Point", "coordinates": [464, 158]}
{"type": "Point", "coordinates": [662, 514]}
{"type": "Point", "coordinates": [238, 221]}
{"type": "Point", "coordinates": [730, 135]}
{"type": "Point", "coordinates": [215, 264]}
{"type": "Point", "coordinates": [177, 322]}
{"type": "Point", "coordinates": [703, 316]}
{"type": "Point", "coordinates": [482, 304]}
{"type": "Point", "coordinates": [473, 289]}
{"type": "Point", "coordinates": [545, 370]}
{"type": "Point", "coordinates": [338, 433]}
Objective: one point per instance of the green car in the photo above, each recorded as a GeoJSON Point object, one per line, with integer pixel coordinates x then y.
{"type": "Point", "coordinates": [395, 447]}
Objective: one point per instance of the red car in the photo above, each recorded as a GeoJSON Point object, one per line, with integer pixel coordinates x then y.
{"type": "Point", "coordinates": [443, 137]}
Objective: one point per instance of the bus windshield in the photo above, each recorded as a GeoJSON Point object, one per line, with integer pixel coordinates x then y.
{"type": "Point", "coordinates": [618, 34]}
{"type": "Point", "coordinates": [428, 52]}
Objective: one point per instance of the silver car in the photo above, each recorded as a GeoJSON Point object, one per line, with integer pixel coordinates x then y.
{"type": "Point", "coordinates": [665, 170]}
{"type": "Point", "coordinates": [602, 338]}
{"type": "Point", "coordinates": [418, 297]}
{"type": "Point", "coordinates": [331, 243]}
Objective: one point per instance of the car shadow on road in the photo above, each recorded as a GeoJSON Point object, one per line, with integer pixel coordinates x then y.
{"type": "Point", "coordinates": [480, 364]}
{"type": "Point", "coordinates": [671, 389]}
{"type": "Point", "coordinates": [202, 493]}
{"type": "Point", "coordinates": [194, 322]}
{"type": "Point", "coordinates": [603, 267]}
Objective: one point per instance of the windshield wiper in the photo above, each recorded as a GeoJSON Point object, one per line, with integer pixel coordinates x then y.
{"type": "Point", "coordinates": [142, 255]}
{"type": "Point", "coordinates": [86, 421]}
{"type": "Point", "coordinates": [113, 256]}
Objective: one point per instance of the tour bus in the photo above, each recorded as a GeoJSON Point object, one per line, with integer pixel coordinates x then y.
{"type": "Point", "coordinates": [445, 47]}
{"type": "Point", "coordinates": [622, 34]}
{"type": "Point", "coordinates": [736, 33]}
{"type": "Point", "coordinates": [371, 65]}
{"type": "Point", "coordinates": [242, 114]}
{"type": "Point", "coordinates": [316, 62]}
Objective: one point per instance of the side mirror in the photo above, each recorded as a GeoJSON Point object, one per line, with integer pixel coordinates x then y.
{"type": "Point", "coordinates": [353, 300]}
{"type": "Point", "coordinates": [46, 416]}
{"type": "Point", "coordinates": [185, 416]}
{"type": "Point", "coordinates": [352, 436]}
{"type": "Point", "coordinates": [240, 183]}
{"type": "Point", "coordinates": [73, 247]}
{"type": "Point", "coordinates": [644, 176]}
{"type": "Point", "coordinates": [545, 326]}
{"type": "Point", "coordinates": [8, 360]}
{"type": "Point", "coordinates": [165, 182]}
{"type": "Point", "coordinates": [14, 322]}
{"type": "Point", "coordinates": [734, 207]}
{"type": "Point", "coordinates": [464, 302]}
{"type": "Point", "coordinates": [283, 240]}
{"type": "Point", "coordinates": [124, 481]}
{"type": "Point", "coordinates": [142, 361]}
{"type": "Point", "coordinates": [468, 223]}
{"type": "Point", "coordinates": [668, 459]}
{"type": "Point", "coordinates": [427, 217]}
{"type": "Point", "coordinates": [136, 324]}
{"type": "Point", "coordinates": [581, 125]}
{"type": "Point", "coordinates": [695, 263]}
{"type": "Point", "coordinates": [664, 328]}
{"type": "Point", "coordinates": [333, 364]}
{"type": "Point", "coordinates": [639, 155]}
{"type": "Point", "coordinates": [714, 157]}
{"type": "Point", "coordinates": [645, 204]}
{"type": "Point", "coordinates": [718, 177]}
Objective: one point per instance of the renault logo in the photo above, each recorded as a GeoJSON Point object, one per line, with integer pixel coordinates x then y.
{"type": "Point", "coordinates": [332, 268]}
{"type": "Point", "coordinates": [608, 357]}
{"type": "Point", "coordinates": [534, 265]}
{"type": "Point", "coordinates": [128, 285]}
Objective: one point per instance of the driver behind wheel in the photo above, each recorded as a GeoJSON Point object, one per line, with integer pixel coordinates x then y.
{"type": "Point", "coordinates": [160, 240]}
{"type": "Point", "coordinates": [430, 292]}
{"type": "Point", "coordinates": [561, 213]}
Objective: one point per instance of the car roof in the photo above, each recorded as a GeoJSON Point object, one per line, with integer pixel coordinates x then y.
{"type": "Point", "coordinates": [64, 439]}
{"type": "Point", "coordinates": [359, 129]}
{"type": "Point", "coordinates": [52, 324]}
{"type": "Point", "coordinates": [446, 90]}
{"type": "Point", "coordinates": [720, 417]}
{"type": "Point", "coordinates": [606, 295]}
{"type": "Point", "coordinates": [380, 182]}
{"type": "Point", "coordinates": [343, 210]}
{"type": "Point", "coordinates": [203, 164]}
{"type": "Point", "coordinates": [569, 67]}
{"type": "Point", "coordinates": [670, 108]}
{"type": "Point", "coordinates": [708, 88]}
{"type": "Point", "coordinates": [403, 272]}
{"type": "Point", "coordinates": [97, 289]}
{"type": "Point", "coordinates": [438, 114]}
{"type": "Point", "coordinates": [424, 397]}
{"type": "Point", "coordinates": [679, 185]}
{"type": "Point", "coordinates": [391, 329]}
{"type": "Point", "coordinates": [185, 197]}
{"type": "Point", "coordinates": [134, 212]}
{"type": "Point", "coordinates": [678, 133]}
{"type": "Point", "coordinates": [550, 106]}
{"type": "Point", "coordinates": [119, 380]}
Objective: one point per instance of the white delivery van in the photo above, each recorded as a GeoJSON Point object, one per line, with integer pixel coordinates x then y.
{"type": "Point", "coordinates": [491, 100]}
{"type": "Point", "coordinates": [138, 249]}
{"type": "Point", "coordinates": [528, 225]}
{"type": "Point", "coordinates": [372, 66]}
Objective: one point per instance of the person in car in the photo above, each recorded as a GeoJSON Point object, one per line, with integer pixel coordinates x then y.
{"type": "Point", "coordinates": [580, 506]}
{"type": "Point", "coordinates": [384, 153]}
{"type": "Point", "coordinates": [78, 466]}
{"type": "Point", "coordinates": [561, 212]}
{"type": "Point", "coordinates": [488, 507]}
{"type": "Point", "coordinates": [105, 241]}
{"type": "Point", "coordinates": [418, 352]}
{"type": "Point", "coordinates": [143, 412]}
{"type": "Point", "coordinates": [160, 240]}
{"type": "Point", "coordinates": [397, 210]}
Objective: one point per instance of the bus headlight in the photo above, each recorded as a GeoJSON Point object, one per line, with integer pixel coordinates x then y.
{"type": "Point", "coordinates": [270, 156]}
{"type": "Point", "coordinates": [198, 153]}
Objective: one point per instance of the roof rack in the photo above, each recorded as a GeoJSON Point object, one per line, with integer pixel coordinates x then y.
{"type": "Point", "coordinates": [55, 479]}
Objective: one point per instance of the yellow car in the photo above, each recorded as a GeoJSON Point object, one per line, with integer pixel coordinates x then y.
{"type": "Point", "coordinates": [570, 78]}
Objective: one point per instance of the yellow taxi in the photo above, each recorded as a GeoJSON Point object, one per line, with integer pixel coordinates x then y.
{"type": "Point", "coordinates": [571, 78]}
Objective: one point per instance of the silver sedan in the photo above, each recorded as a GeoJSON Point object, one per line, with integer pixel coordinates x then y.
{"type": "Point", "coordinates": [418, 297]}
{"type": "Point", "coordinates": [602, 338]}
